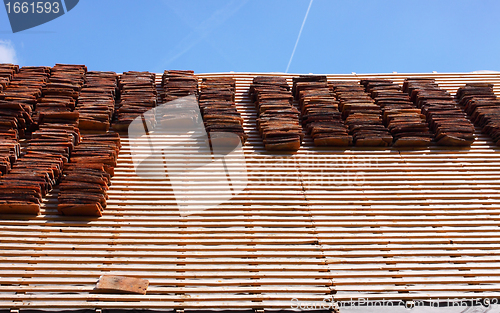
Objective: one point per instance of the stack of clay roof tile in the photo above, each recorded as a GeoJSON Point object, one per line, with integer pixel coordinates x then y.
{"type": "Point", "coordinates": [175, 85]}
{"type": "Point", "coordinates": [277, 120]}
{"type": "Point", "coordinates": [217, 106]}
{"type": "Point", "coordinates": [13, 119]}
{"type": "Point", "coordinates": [319, 109]}
{"type": "Point", "coordinates": [361, 114]}
{"type": "Point", "coordinates": [38, 170]}
{"type": "Point", "coordinates": [83, 189]}
{"type": "Point", "coordinates": [482, 106]}
{"type": "Point", "coordinates": [449, 123]}
{"type": "Point", "coordinates": [21, 92]}
{"type": "Point", "coordinates": [26, 86]}
{"type": "Point", "coordinates": [58, 129]}
{"type": "Point", "coordinates": [137, 96]}
{"type": "Point", "coordinates": [31, 177]}
{"type": "Point", "coordinates": [9, 130]}
{"type": "Point", "coordinates": [62, 89]}
{"type": "Point", "coordinates": [406, 123]}
{"type": "Point", "coordinates": [25, 89]}
{"type": "Point", "coordinates": [96, 103]}
{"type": "Point", "coordinates": [17, 194]}
{"type": "Point", "coordinates": [7, 72]}
{"type": "Point", "coordinates": [9, 152]}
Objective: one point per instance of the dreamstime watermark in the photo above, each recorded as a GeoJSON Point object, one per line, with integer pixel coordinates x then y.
{"type": "Point", "coordinates": [476, 304]}
{"type": "Point", "coordinates": [31, 13]}
{"type": "Point", "coordinates": [170, 142]}
{"type": "Point", "coordinates": [313, 169]}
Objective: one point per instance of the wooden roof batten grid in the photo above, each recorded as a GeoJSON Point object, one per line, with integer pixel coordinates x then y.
{"type": "Point", "coordinates": [373, 223]}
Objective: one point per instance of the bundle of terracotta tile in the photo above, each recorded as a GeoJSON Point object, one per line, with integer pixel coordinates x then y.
{"type": "Point", "coordinates": [482, 106]}
{"type": "Point", "coordinates": [9, 129]}
{"type": "Point", "coordinates": [31, 177]}
{"type": "Point", "coordinates": [11, 117]}
{"type": "Point", "coordinates": [177, 84]}
{"type": "Point", "coordinates": [320, 114]}
{"type": "Point", "coordinates": [137, 92]}
{"type": "Point", "coordinates": [13, 120]}
{"type": "Point", "coordinates": [7, 72]}
{"type": "Point", "coordinates": [361, 114]}
{"type": "Point", "coordinates": [58, 131]}
{"type": "Point", "coordinates": [448, 122]}
{"type": "Point", "coordinates": [277, 119]}
{"type": "Point", "coordinates": [9, 152]}
{"type": "Point", "coordinates": [96, 102]}
{"type": "Point", "coordinates": [62, 89]}
{"type": "Point", "coordinates": [83, 189]}
{"type": "Point", "coordinates": [217, 106]}
{"type": "Point", "coordinates": [26, 86]}
{"type": "Point", "coordinates": [25, 89]}
{"type": "Point", "coordinates": [39, 168]}
{"type": "Point", "coordinates": [15, 116]}
{"type": "Point", "coordinates": [406, 123]}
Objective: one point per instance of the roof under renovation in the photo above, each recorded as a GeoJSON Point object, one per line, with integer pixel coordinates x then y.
{"type": "Point", "coordinates": [401, 223]}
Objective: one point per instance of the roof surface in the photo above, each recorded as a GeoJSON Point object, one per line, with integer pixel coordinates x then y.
{"type": "Point", "coordinates": [377, 223]}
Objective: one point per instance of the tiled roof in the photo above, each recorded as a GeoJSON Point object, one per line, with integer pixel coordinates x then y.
{"type": "Point", "coordinates": [348, 223]}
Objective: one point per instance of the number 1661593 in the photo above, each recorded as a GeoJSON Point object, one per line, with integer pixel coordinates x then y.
{"type": "Point", "coordinates": [32, 7]}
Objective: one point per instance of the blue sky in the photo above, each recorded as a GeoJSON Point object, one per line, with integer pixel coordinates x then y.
{"type": "Point", "coordinates": [259, 36]}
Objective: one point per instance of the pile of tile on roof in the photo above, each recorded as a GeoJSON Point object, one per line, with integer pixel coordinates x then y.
{"type": "Point", "coordinates": [482, 106]}
{"type": "Point", "coordinates": [361, 114]}
{"type": "Point", "coordinates": [183, 87]}
{"type": "Point", "coordinates": [12, 122]}
{"type": "Point", "coordinates": [25, 89]}
{"type": "Point", "coordinates": [7, 72]}
{"type": "Point", "coordinates": [14, 119]}
{"type": "Point", "coordinates": [177, 84]}
{"type": "Point", "coordinates": [58, 125]}
{"type": "Point", "coordinates": [278, 120]}
{"type": "Point", "coordinates": [10, 150]}
{"type": "Point", "coordinates": [38, 170]}
{"type": "Point", "coordinates": [96, 103]}
{"type": "Point", "coordinates": [62, 89]}
{"type": "Point", "coordinates": [57, 141]}
{"type": "Point", "coordinates": [83, 188]}
{"type": "Point", "coordinates": [20, 94]}
{"type": "Point", "coordinates": [218, 108]}
{"type": "Point", "coordinates": [406, 123]}
{"type": "Point", "coordinates": [449, 124]}
{"type": "Point", "coordinates": [137, 96]}
{"type": "Point", "coordinates": [320, 114]}
{"type": "Point", "coordinates": [31, 177]}
{"type": "Point", "coordinates": [11, 115]}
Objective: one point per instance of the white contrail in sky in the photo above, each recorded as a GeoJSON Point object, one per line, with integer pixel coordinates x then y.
{"type": "Point", "coordinates": [298, 37]}
{"type": "Point", "coordinates": [203, 30]}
